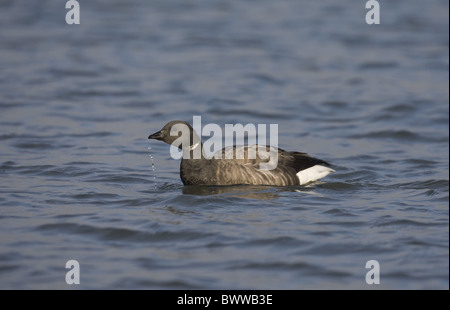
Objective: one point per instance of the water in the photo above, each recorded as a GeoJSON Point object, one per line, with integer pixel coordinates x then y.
{"type": "Point", "coordinates": [78, 103]}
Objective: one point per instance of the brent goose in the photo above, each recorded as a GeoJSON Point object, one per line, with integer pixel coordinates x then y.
{"type": "Point", "coordinates": [293, 168]}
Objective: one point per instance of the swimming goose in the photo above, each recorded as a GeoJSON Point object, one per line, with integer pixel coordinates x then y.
{"type": "Point", "coordinates": [293, 168]}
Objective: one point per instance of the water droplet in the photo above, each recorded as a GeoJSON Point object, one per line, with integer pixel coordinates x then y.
{"type": "Point", "coordinates": [153, 166]}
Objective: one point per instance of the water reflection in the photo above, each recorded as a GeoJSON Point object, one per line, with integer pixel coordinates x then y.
{"type": "Point", "coordinates": [245, 191]}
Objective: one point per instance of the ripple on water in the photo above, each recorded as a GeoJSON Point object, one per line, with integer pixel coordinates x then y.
{"type": "Point", "coordinates": [397, 135]}
{"type": "Point", "coordinates": [441, 185]}
{"type": "Point", "coordinates": [119, 234]}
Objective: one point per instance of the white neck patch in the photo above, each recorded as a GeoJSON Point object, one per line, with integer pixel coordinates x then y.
{"type": "Point", "coordinates": [193, 147]}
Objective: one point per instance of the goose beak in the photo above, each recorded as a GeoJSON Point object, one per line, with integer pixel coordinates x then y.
{"type": "Point", "coordinates": [156, 136]}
